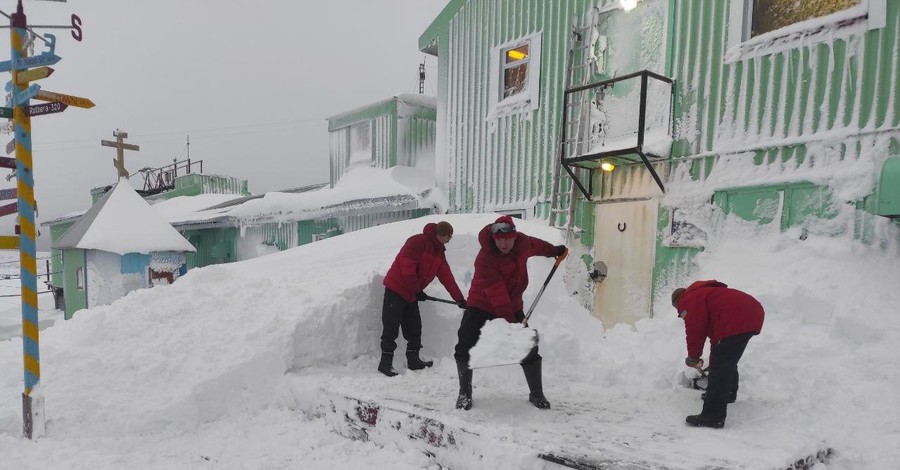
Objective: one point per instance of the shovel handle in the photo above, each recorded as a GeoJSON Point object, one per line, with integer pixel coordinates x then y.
{"type": "Point", "coordinates": [428, 297]}
{"type": "Point", "coordinates": [559, 259]}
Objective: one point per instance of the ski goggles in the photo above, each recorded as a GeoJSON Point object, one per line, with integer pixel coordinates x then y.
{"type": "Point", "coordinates": [682, 314]}
{"type": "Point", "coordinates": [502, 227]}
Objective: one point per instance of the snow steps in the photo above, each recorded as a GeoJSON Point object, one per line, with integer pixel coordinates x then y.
{"type": "Point", "coordinates": [453, 442]}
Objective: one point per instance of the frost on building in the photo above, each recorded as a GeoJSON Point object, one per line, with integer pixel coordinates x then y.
{"type": "Point", "coordinates": [381, 160]}
{"type": "Point", "coordinates": [119, 245]}
{"type": "Point", "coordinates": [639, 126]}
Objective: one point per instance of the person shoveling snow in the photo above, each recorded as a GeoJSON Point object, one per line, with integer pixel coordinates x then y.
{"type": "Point", "coordinates": [500, 279]}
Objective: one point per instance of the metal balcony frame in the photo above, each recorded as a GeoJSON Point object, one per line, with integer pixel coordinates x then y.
{"type": "Point", "coordinates": [568, 163]}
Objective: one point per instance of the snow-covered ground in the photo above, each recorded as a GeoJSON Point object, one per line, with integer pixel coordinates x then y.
{"type": "Point", "coordinates": [217, 370]}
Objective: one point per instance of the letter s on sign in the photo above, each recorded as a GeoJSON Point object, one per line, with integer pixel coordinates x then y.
{"type": "Point", "coordinates": [76, 28]}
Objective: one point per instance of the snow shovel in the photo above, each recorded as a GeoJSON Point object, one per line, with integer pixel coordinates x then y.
{"type": "Point", "coordinates": [503, 344]}
{"type": "Point", "coordinates": [428, 297]}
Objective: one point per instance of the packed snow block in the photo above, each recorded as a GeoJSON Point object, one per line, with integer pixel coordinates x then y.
{"type": "Point", "coordinates": [448, 444]}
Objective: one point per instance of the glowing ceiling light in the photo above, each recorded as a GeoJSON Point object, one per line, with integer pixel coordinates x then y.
{"type": "Point", "coordinates": [628, 5]}
{"type": "Point", "coordinates": [607, 166]}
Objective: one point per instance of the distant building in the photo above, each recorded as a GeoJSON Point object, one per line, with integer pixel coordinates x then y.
{"type": "Point", "coordinates": [119, 245]}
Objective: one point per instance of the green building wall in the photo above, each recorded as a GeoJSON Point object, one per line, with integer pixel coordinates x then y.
{"type": "Point", "coordinates": [75, 297]}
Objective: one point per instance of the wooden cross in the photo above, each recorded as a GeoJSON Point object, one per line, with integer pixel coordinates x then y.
{"type": "Point", "coordinates": [121, 146]}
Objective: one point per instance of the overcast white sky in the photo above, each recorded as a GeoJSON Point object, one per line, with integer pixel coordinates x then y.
{"type": "Point", "coordinates": [250, 82]}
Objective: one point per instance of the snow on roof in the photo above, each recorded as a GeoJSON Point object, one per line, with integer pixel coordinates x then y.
{"type": "Point", "coordinates": [185, 205]}
{"type": "Point", "coordinates": [123, 222]}
{"type": "Point", "coordinates": [360, 187]}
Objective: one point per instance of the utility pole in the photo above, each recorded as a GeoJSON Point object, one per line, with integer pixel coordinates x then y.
{"type": "Point", "coordinates": [121, 147]}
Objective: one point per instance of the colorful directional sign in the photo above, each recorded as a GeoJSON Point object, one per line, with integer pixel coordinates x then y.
{"type": "Point", "coordinates": [46, 108]}
{"type": "Point", "coordinates": [6, 112]}
{"type": "Point", "coordinates": [6, 162]}
{"type": "Point", "coordinates": [44, 58]}
{"type": "Point", "coordinates": [9, 242]}
{"type": "Point", "coordinates": [11, 146]}
{"type": "Point", "coordinates": [8, 193]}
{"type": "Point", "coordinates": [11, 208]}
{"type": "Point", "coordinates": [25, 76]}
{"type": "Point", "coordinates": [23, 96]}
{"type": "Point", "coordinates": [70, 100]}
{"type": "Point", "coordinates": [7, 127]}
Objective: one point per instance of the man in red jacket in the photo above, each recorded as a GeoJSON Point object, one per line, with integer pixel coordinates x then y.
{"type": "Point", "coordinates": [419, 261]}
{"type": "Point", "coordinates": [500, 279]}
{"type": "Point", "coordinates": [729, 318]}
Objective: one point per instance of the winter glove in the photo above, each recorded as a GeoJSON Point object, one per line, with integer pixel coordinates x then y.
{"type": "Point", "coordinates": [461, 304]}
{"type": "Point", "coordinates": [520, 316]}
{"type": "Point", "coordinates": [421, 296]}
{"type": "Point", "coordinates": [561, 251]}
{"type": "Point", "coordinates": [695, 362]}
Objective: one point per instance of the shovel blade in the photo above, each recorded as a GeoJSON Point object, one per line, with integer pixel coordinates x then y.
{"type": "Point", "coordinates": [502, 344]}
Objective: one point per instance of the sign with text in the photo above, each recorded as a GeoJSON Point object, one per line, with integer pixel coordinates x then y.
{"type": "Point", "coordinates": [7, 162]}
{"type": "Point", "coordinates": [26, 76]}
{"type": "Point", "coordinates": [46, 108]}
{"type": "Point", "coordinates": [70, 100]}
{"type": "Point", "coordinates": [8, 193]}
{"type": "Point", "coordinates": [11, 146]}
{"type": "Point", "coordinates": [9, 209]}
{"type": "Point", "coordinates": [45, 58]}
{"type": "Point", "coordinates": [6, 112]}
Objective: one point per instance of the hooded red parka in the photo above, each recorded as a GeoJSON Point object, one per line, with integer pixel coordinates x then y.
{"type": "Point", "coordinates": [419, 261]}
{"type": "Point", "coordinates": [715, 311]}
{"type": "Point", "coordinates": [500, 280]}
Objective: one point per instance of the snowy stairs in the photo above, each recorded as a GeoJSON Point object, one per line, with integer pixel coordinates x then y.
{"type": "Point", "coordinates": [460, 440]}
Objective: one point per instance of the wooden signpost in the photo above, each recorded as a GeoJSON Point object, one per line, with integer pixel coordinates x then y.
{"type": "Point", "coordinates": [26, 69]}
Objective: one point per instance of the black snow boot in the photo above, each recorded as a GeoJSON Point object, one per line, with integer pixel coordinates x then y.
{"type": "Point", "coordinates": [414, 362]}
{"type": "Point", "coordinates": [712, 416]}
{"type": "Point", "coordinates": [536, 391]}
{"type": "Point", "coordinates": [464, 400]}
{"type": "Point", "coordinates": [386, 366]}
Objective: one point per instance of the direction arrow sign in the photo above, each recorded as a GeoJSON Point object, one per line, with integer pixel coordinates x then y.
{"type": "Point", "coordinates": [9, 193]}
{"type": "Point", "coordinates": [26, 76]}
{"type": "Point", "coordinates": [23, 96]}
{"type": "Point", "coordinates": [6, 112]}
{"type": "Point", "coordinates": [45, 58]}
{"type": "Point", "coordinates": [9, 242]}
{"type": "Point", "coordinates": [70, 100]}
{"type": "Point", "coordinates": [9, 209]}
{"type": "Point", "coordinates": [11, 146]}
{"type": "Point", "coordinates": [45, 108]}
{"type": "Point", "coordinates": [7, 127]}
{"type": "Point", "coordinates": [6, 162]}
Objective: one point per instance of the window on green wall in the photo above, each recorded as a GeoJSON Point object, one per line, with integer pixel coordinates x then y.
{"type": "Point", "coordinates": [515, 70]}
{"type": "Point", "coordinates": [767, 26]}
{"type": "Point", "coordinates": [360, 143]}
{"type": "Point", "coordinates": [769, 15]}
{"type": "Point", "coordinates": [515, 76]}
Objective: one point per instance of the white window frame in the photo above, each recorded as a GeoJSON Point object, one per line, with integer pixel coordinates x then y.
{"type": "Point", "coordinates": [868, 15]}
{"type": "Point", "coordinates": [529, 98]}
{"type": "Point", "coordinates": [79, 278]}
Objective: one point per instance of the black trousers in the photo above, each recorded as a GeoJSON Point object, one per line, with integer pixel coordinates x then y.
{"type": "Point", "coordinates": [470, 330]}
{"type": "Point", "coordinates": [723, 368]}
{"type": "Point", "coordinates": [397, 314]}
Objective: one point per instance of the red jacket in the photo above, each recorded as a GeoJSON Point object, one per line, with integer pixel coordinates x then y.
{"type": "Point", "coordinates": [716, 311]}
{"type": "Point", "coordinates": [419, 261]}
{"type": "Point", "coordinates": [499, 279]}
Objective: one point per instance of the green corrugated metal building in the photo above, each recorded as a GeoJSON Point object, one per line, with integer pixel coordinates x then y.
{"type": "Point", "coordinates": [798, 99]}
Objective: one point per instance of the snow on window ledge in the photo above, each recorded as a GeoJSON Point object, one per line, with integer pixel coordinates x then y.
{"type": "Point", "coordinates": [529, 98]}
{"type": "Point", "coordinates": [868, 15]}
